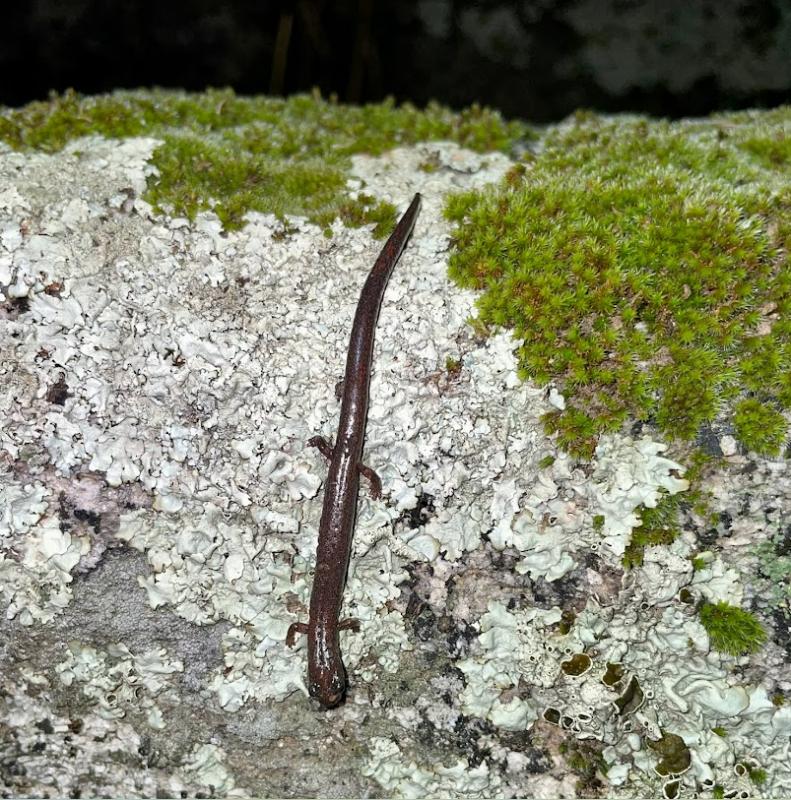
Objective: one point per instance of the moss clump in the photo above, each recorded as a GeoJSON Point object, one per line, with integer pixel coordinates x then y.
{"type": "Point", "coordinates": [760, 427]}
{"type": "Point", "coordinates": [235, 154]}
{"type": "Point", "coordinates": [658, 525]}
{"type": "Point", "coordinates": [643, 265]}
{"type": "Point", "coordinates": [731, 629]}
{"type": "Point", "coordinates": [757, 775]}
{"type": "Point", "coordinates": [772, 152]}
{"type": "Point", "coordinates": [598, 522]}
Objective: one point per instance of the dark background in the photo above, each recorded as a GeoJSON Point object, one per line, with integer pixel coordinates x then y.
{"type": "Point", "coordinates": [534, 59]}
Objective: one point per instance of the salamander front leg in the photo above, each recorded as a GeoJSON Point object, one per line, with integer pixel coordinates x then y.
{"type": "Point", "coordinates": [373, 479]}
{"type": "Point", "coordinates": [293, 630]}
{"type": "Point", "coordinates": [322, 445]}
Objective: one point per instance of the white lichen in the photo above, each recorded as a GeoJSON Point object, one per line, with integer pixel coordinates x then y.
{"type": "Point", "coordinates": [206, 765]}
{"type": "Point", "coordinates": [513, 649]}
{"type": "Point", "coordinates": [37, 557]}
{"type": "Point", "coordinates": [409, 779]}
{"type": "Point", "coordinates": [119, 681]}
{"type": "Point", "coordinates": [629, 474]}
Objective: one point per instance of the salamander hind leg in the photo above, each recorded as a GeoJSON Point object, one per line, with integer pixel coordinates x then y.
{"type": "Point", "coordinates": [293, 630]}
{"type": "Point", "coordinates": [322, 445]}
{"type": "Point", "coordinates": [373, 479]}
{"type": "Point", "coordinates": [349, 624]}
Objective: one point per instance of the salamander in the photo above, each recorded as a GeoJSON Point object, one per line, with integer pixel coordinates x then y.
{"type": "Point", "coordinates": [326, 673]}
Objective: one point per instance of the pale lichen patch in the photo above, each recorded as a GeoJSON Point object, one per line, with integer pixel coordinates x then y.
{"type": "Point", "coordinates": [412, 780]}
{"type": "Point", "coordinates": [119, 680]}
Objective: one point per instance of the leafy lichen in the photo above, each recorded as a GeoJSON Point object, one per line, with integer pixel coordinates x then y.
{"type": "Point", "coordinates": [774, 570]}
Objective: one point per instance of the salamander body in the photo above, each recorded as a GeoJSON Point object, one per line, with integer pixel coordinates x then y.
{"type": "Point", "coordinates": [326, 673]}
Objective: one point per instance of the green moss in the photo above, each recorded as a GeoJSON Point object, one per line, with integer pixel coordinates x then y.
{"type": "Point", "coordinates": [598, 522]}
{"type": "Point", "coordinates": [757, 776]}
{"type": "Point", "coordinates": [636, 261]}
{"type": "Point", "coordinates": [772, 152]}
{"type": "Point", "coordinates": [546, 462]}
{"type": "Point", "coordinates": [698, 563]}
{"type": "Point", "coordinates": [718, 792]}
{"type": "Point", "coordinates": [236, 154]}
{"type": "Point", "coordinates": [731, 629]}
{"type": "Point", "coordinates": [659, 525]}
{"type": "Point", "coordinates": [576, 432]}
{"type": "Point", "coordinates": [699, 467]}
{"type": "Point", "coordinates": [366, 208]}
{"type": "Point", "coordinates": [761, 428]}
{"type": "Point", "coordinates": [481, 329]}
{"type": "Point", "coordinates": [430, 165]}
{"type": "Point", "coordinates": [720, 731]}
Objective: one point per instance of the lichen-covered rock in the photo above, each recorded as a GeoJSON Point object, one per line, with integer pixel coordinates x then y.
{"type": "Point", "coordinates": [162, 372]}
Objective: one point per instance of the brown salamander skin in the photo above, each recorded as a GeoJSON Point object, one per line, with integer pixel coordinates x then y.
{"type": "Point", "coordinates": [326, 673]}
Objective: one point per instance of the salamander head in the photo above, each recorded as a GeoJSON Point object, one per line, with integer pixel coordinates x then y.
{"type": "Point", "coordinates": [326, 673]}
{"type": "Point", "coordinates": [328, 686]}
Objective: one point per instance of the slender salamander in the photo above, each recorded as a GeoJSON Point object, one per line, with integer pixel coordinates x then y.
{"type": "Point", "coordinates": [326, 673]}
